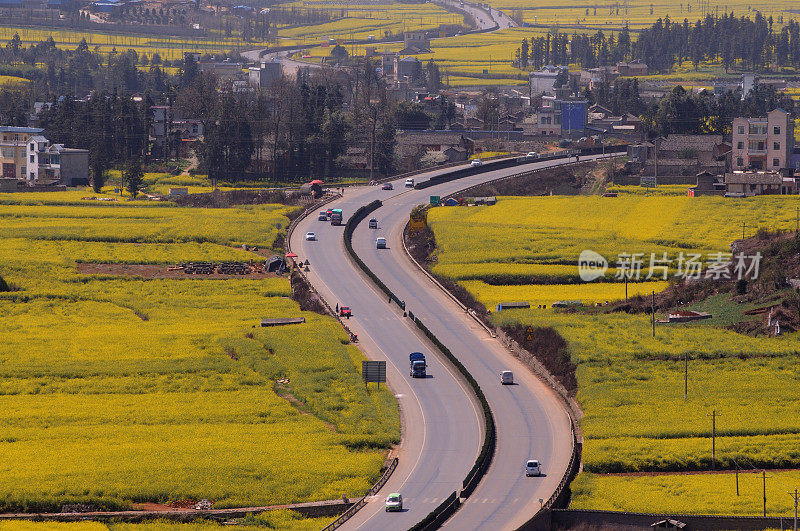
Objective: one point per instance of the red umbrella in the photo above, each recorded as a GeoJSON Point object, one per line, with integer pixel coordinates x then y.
{"type": "Point", "coordinates": [291, 255]}
{"type": "Point", "coordinates": [316, 181]}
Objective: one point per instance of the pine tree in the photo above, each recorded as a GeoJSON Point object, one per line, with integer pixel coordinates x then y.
{"type": "Point", "coordinates": [133, 176]}
{"type": "Point", "coordinates": [524, 52]}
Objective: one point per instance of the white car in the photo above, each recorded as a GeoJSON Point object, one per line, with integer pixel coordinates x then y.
{"type": "Point", "coordinates": [409, 183]}
{"type": "Point", "coordinates": [531, 155]}
{"type": "Point", "coordinates": [533, 468]}
{"type": "Point", "coordinates": [310, 236]}
{"type": "Point", "coordinates": [476, 162]}
{"type": "Point", "coordinates": [380, 242]}
{"type": "Point", "coordinates": [394, 502]}
{"type": "Point", "coordinates": [507, 378]}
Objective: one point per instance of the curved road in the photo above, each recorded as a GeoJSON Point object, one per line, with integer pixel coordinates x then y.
{"type": "Point", "coordinates": [442, 430]}
{"type": "Point", "coordinates": [485, 20]}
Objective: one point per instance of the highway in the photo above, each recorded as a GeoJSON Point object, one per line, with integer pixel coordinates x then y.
{"type": "Point", "coordinates": [442, 430]}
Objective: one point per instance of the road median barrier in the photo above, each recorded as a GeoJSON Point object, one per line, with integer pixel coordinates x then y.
{"type": "Point", "coordinates": [484, 459]}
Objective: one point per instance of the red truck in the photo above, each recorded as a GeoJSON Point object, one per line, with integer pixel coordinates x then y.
{"type": "Point", "coordinates": [344, 311]}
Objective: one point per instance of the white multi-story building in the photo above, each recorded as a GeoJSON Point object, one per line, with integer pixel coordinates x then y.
{"type": "Point", "coordinates": [54, 163]}
{"type": "Point", "coordinates": [13, 142]}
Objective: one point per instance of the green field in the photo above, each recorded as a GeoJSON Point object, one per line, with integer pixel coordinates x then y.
{"type": "Point", "coordinates": [124, 390]}
{"type": "Point", "coordinates": [631, 384]}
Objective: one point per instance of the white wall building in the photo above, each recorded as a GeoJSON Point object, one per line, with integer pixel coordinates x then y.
{"type": "Point", "coordinates": [55, 163]}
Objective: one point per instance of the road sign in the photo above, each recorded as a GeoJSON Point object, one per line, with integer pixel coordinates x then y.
{"type": "Point", "coordinates": [373, 371]}
{"type": "Point", "coordinates": [648, 182]}
{"type": "Point", "coordinates": [418, 221]}
{"type": "Point", "coordinates": [529, 334]}
{"type": "Point", "coordinates": [436, 200]}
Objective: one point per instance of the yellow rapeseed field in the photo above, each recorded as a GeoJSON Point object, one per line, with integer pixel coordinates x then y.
{"type": "Point", "coordinates": [631, 383]}
{"type": "Point", "coordinates": [121, 390]}
{"type": "Point", "coordinates": [692, 494]}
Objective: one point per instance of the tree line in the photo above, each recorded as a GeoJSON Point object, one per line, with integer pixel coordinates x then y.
{"type": "Point", "coordinates": [84, 69]}
{"type": "Point", "coordinates": [752, 44]}
{"type": "Point", "coordinates": [292, 131]}
{"type": "Point", "coordinates": [684, 112]}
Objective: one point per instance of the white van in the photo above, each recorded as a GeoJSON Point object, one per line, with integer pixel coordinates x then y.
{"type": "Point", "coordinates": [409, 183]}
{"type": "Point", "coordinates": [507, 378]}
{"type": "Point", "coordinates": [380, 242]}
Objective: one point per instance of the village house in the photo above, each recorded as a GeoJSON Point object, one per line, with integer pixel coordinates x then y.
{"type": "Point", "coordinates": [750, 183]}
{"type": "Point", "coordinates": [707, 184]}
{"type": "Point", "coordinates": [679, 158]}
{"type": "Point", "coordinates": [415, 42]}
{"type": "Point", "coordinates": [13, 150]}
{"type": "Point", "coordinates": [543, 81]}
{"type": "Point", "coordinates": [434, 140]}
{"type": "Point", "coordinates": [632, 69]}
{"type": "Point", "coordinates": [55, 164]}
{"type": "Point", "coordinates": [763, 143]}
{"type": "Point", "coordinates": [601, 120]}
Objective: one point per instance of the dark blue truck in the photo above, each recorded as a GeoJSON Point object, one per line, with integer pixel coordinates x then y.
{"type": "Point", "coordinates": [418, 365]}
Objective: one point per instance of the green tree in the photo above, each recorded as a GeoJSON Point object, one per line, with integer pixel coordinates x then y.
{"type": "Point", "coordinates": [433, 79]}
{"type": "Point", "coordinates": [339, 53]}
{"type": "Point", "coordinates": [412, 115]}
{"type": "Point", "coordinates": [133, 175]}
{"type": "Point", "coordinates": [524, 52]}
{"type": "Point", "coordinates": [98, 175]}
{"type": "Point", "coordinates": [385, 143]}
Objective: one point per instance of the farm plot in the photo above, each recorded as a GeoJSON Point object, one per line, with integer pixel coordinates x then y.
{"type": "Point", "coordinates": [122, 390]}
{"type": "Point", "coordinates": [167, 47]}
{"type": "Point", "coordinates": [631, 384]}
{"type": "Point", "coordinates": [555, 230]}
{"type": "Point", "coordinates": [361, 21]}
{"type": "Point", "coordinates": [705, 493]}
{"type": "Point", "coordinates": [278, 519]}
{"type": "Point", "coordinates": [635, 14]}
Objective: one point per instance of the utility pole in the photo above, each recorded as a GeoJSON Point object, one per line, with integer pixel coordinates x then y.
{"type": "Point", "coordinates": [626, 288]}
{"type": "Point", "coordinates": [743, 230]}
{"type": "Point", "coordinates": [797, 225]}
{"type": "Point", "coordinates": [686, 389]}
{"type": "Point", "coordinates": [794, 495]}
{"type": "Point", "coordinates": [714, 440]}
{"type": "Point", "coordinates": [653, 311]}
{"type": "Point", "coordinates": [764, 483]}
{"type": "Point", "coordinates": [737, 476]}
{"type": "Point", "coordinates": [655, 151]}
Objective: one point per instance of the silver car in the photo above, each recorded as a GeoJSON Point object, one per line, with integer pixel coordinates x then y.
{"type": "Point", "coordinates": [533, 468]}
